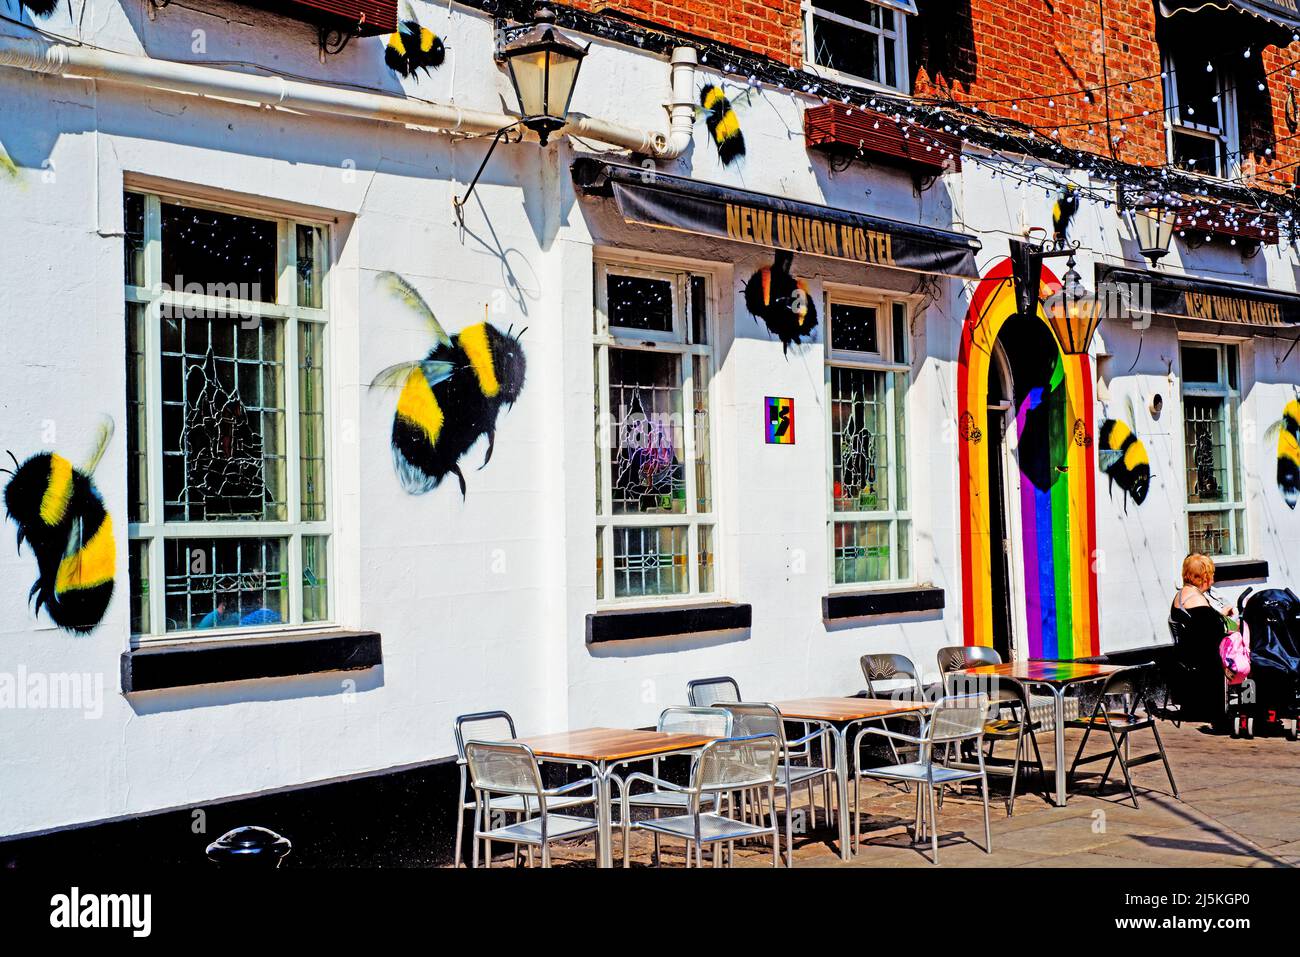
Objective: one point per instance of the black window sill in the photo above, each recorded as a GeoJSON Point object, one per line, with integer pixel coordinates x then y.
{"type": "Point", "coordinates": [868, 604]}
{"type": "Point", "coordinates": [633, 623]}
{"type": "Point", "coordinates": [196, 663]}
{"type": "Point", "coordinates": [1226, 573]}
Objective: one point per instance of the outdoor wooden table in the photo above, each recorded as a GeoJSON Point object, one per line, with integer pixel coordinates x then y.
{"type": "Point", "coordinates": [602, 750]}
{"type": "Point", "coordinates": [837, 715]}
{"type": "Point", "coordinates": [1056, 676]}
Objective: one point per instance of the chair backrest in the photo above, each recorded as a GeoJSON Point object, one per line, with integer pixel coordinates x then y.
{"type": "Point", "coordinates": [956, 657]}
{"type": "Point", "coordinates": [483, 726]}
{"type": "Point", "coordinates": [1131, 683]}
{"type": "Point", "coordinates": [503, 768]}
{"type": "Point", "coordinates": [955, 718]}
{"type": "Point", "coordinates": [1179, 624]}
{"type": "Point", "coordinates": [736, 763]}
{"type": "Point", "coordinates": [754, 717]}
{"type": "Point", "coordinates": [1000, 688]}
{"type": "Point", "coordinates": [704, 692]}
{"type": "Point", "coordinates": [880, 668]}
{"type": "Point", "coordinates": [709, 722]}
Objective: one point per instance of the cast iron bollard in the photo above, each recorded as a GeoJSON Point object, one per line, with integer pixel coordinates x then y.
{"type": "Point", "coordinates": [249, 847]}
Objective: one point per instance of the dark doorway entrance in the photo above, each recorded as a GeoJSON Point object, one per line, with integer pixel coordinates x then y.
{"type": "Point", "coordinates": [999, 404]}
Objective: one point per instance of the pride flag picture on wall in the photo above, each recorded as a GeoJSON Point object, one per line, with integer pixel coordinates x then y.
{"type": "Point", "coordinates": [778, 420]}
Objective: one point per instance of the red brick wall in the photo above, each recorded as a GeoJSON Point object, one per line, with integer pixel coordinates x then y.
{"type": "Point", "coordinates": [1002, 49]}
{"type": "Point", "coordinates": [997, 52]}
{"type": "Point", "coordinates": [773, 28]}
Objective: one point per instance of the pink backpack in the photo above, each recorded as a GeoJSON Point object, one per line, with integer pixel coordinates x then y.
{"type": "Point", "coordinates": [1234, 652]}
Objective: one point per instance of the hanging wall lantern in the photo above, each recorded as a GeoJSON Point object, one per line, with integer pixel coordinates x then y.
{"type": "Point", "coordinates": [1153, 223]}
{"type": "Point", "coordinates": [543, 65]}
{"type": "Point", "coordinates": [1073, 312]}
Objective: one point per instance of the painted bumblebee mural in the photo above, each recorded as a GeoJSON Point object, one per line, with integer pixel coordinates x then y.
{"type": "Point", "coordinates": [450, 398]}
{"type": "Point", "coordinates": [1124, 459]}
{"type": "Point", "coordinates": [60, 514]}
{"type": "Point", "coordinates": [781, 301]}
{"type": "Point", "coordinates": [1288, 453]}
{"type": "Point", "coordinates": [413, 47]}
{"type": "Point", "coordinates": [723, 124]}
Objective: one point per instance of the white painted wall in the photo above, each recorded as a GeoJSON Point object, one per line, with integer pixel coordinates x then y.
{"type": "Point", "coordinates": [482, 603]}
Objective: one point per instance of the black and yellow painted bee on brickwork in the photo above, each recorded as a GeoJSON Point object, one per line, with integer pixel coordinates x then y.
{"type": "Point", "coordinates": [723, 124]}
{"type": "Point", "coordinates": [413, 47]}
{"type": "Point", "coordinates": [451, 397]}
{"type": "Point", "coordinates": [1123, 458]}
{"type": "Point", "coordinates": [1288, 453]}
{"type": "Point", "coordinates": [60, 515]}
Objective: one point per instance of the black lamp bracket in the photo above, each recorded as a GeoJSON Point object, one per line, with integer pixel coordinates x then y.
{"type": "Point", "coordinates": [1027, 256]}
{"type": "Point", "coordinates": [503, 133]}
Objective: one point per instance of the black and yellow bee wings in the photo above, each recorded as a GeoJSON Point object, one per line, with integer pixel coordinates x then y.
{"type": "Point", "coordinates": [413, 47]}
{"type": "Point", "coordinates": [723, 124]}
{"type": "Point", "coordinates": [60, 514]}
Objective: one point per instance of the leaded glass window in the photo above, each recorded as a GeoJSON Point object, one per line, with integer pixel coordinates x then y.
{"type": "Point", "coordinates": [655, 534]}
{"type": "Point", "coordinates": [226, 432]}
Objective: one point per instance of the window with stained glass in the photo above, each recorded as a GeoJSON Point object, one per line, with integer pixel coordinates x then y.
{"type": "Point", "coordinates": [654, 501]}
{"type": "Point", "coordinates": [226, 426]}
{"type": "Point", "coordinates": [866, 380]}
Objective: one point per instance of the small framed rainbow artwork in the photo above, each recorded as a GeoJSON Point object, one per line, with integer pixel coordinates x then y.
{"type": "Point", "coordinates": [779, 420]}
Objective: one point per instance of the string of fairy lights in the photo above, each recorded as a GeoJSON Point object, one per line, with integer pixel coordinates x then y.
{"type": "Point", "coordinates": [1006, 143]}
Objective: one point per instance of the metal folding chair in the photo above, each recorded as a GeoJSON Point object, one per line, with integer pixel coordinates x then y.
{"type": "Point", "coordinates": [488, 726]}
{"type": "Point", "coordinates": [748, 764]}
{"type": "Point", "coordinates": [710, 722]}
{"type": "Point", "coordinates": [511, 770]}
{"type": "Point", "coordinates": [756, 718]}
{"type": "Point", "coordinates": [1131, 687]}
{"type": "Point", "coordinates": [953, 721]}
{"type": "Point", "coordinates": [1015, 723]}
{"type": "Point", "coordinates": [904, 682]}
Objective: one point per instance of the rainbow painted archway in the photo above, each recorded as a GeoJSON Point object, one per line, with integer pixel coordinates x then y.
{"type": "Point", "coordinates": [1058, 522]}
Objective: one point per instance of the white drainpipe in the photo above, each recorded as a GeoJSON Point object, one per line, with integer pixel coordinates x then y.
{"type": "Point", "coordinates": [681, 117]}
{"type": "Point", "coordinates": [80, 61]}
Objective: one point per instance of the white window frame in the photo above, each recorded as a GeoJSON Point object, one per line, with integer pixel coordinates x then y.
{"type": "Point", "coordinates": [606, 337]}
{"type": "Point", "coordinates": [880, 361]}
{"type": "Point", "coordinates": [1236, 501]}
{"type": "Point", "coordinates": [1227, 161]}
{"type": "Point", "coordinates": [901, 10]}
{"type": "Point", "coordinates": [156, 531]}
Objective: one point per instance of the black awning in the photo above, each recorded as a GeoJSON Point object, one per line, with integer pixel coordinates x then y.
{"type": "Point", "coordinates": [651, 198]}
{"type": "Point", "coordinates": [1281, 13]}
{"type": "Point", "coordinates": [1204, 300]}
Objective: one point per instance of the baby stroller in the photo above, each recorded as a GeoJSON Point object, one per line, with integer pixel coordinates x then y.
{"type": "Point", "coordinates": [1271, 695]}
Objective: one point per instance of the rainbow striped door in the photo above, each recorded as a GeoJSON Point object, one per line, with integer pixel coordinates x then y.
{"type": "Point", "coordinates": [1058, 537]}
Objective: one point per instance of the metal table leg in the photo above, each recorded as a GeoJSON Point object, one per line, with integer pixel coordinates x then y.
{"type": "Point", "coordinates": [1058, 694]}
{"type": "Point", "coordinates": [842, 789]}
{"type": "Point", "coordinates": [604, 817]}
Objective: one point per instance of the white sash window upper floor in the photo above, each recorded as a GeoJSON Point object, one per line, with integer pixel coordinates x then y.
{"type": "Point", "coordinates": [859, 41]}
